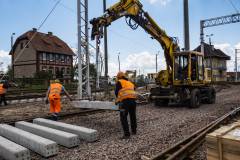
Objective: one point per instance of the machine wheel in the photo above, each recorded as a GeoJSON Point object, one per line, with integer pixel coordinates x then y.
{"type": "Point", "coordinates": [211, 96]}
{"type": "Point", "coordinates": [161, 102]}
{"type": "Point", "coordinates": [195, 98]}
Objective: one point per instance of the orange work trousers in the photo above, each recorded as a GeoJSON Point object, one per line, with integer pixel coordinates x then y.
{"type": "Point", "coordinates": [55, 105]}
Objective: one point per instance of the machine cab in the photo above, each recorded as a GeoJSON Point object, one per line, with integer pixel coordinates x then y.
{"type": "Point", "coordinates": [188, 68]}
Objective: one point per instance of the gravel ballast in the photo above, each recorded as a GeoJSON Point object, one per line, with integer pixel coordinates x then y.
{"type": "Point", "coordinates": [158, 129]}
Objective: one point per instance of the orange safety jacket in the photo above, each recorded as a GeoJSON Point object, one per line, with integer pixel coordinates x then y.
{"type": "Point", "coordinates": [2, 90]}
{"type": "Point", "coordinates": [55, 91]}
{"type": "Point", "coordinates": [127, 91]}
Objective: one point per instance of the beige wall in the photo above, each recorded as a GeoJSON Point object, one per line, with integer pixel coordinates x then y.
{"type": "Point", "coordinates": [24, 62]}
{"type": "Point", "coordinates": [26, 71]}
{"type": "Point", "coordinates": [219, 69]}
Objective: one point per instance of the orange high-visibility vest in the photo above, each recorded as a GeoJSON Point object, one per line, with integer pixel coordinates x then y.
{"type": "Point", "coordinates": [55, 91]}
{"type": "Point", "coordinates": [127, 91]}
{"type": "Point", "coordinates": [2, 90]}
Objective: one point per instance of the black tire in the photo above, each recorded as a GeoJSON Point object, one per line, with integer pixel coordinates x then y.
{"type": "Point", "coordinates": [195, 98]}
{"type": "Point", "coordinates": [211, 96]}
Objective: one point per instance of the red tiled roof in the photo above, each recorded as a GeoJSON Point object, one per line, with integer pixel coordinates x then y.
{"type": "Point", "coordinates": [45, 43]}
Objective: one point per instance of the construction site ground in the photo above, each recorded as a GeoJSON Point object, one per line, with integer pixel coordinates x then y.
{"type": "Point", "coordinates": [158, 127]}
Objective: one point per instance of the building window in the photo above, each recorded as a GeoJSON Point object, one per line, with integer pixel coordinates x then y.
{"type": "Point", "coordinates": [47, 57]}
{"type": "Point", "coordinates": [68, 59]}
{"type": "Point", "coordinates": [50, 70]}
{"type": "Point", "coordinates": [44, 57]}
{"type": "Point", "coordinates": [51, 57]}
{"type": "Point", "coordinates": [68, 70]}
{"type": "Point", "coordinates": [63, 71]}
{"type": "Point", "coordinates": [57, 57]}
{"type": "Point", "coordinates": [44, 68]}
{"type": "Point", "coordinates": [62, 58]}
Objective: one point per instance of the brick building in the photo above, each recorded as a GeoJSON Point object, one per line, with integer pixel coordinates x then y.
{"type": "Point", "coordinates": [45, 52]}
{"type": "Point", "coordinates": [219, 62]}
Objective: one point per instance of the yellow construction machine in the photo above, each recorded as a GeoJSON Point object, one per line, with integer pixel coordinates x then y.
{"type": "Point", "coordinates": [183, 81]}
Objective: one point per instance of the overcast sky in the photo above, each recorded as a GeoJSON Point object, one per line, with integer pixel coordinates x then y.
{"type": "Point", "coordinates": [137, 49]}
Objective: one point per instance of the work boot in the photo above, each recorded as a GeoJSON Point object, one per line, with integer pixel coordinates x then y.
{"type": "Point", "coordinates": [134, 132]}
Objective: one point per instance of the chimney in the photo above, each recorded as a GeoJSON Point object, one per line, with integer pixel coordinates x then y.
{"type": "Point", "coordinates": [34, 29]}
{"type": "Point", "coordinates": [50, 33]}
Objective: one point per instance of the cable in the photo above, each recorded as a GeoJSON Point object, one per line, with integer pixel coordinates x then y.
{"type": "Point", "coordinates": [42, 23]}
{"type": "Point", "coordinates": [35, 33]}
{"type": "Point", "coordinates": [234, 7]}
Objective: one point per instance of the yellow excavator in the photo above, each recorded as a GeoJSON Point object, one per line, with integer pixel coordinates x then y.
{"type": "Point", "coordinates": [183, 81]}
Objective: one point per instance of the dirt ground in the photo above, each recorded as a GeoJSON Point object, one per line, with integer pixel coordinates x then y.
{"type": "Point", "coordinates": [158, 127]}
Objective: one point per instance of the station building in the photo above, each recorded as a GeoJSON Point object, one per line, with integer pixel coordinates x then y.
{"type": "Point", "coordinates": [44, 52]}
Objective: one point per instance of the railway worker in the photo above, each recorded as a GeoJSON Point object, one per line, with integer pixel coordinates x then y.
{"type": "Point", "coordinates": [126, 99]}
{"type": "Point", "coordinates": [3, 91]}
{"type": "Point", "coordinates": [54, 97]}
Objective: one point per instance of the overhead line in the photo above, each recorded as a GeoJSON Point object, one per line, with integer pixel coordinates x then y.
{"type": "Point", "coordinates": [45, 19]}
{"type": "Point", "coordinates": [40, 26]}
{"type": "Point", "coordinates": [234, 7]}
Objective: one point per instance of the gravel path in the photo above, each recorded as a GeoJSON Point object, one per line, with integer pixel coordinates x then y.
{"type": "Point", "coordinates": [158, 129]}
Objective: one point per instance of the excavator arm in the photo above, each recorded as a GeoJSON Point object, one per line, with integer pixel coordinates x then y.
{"type": "Point", "coordinates": [136, 16]}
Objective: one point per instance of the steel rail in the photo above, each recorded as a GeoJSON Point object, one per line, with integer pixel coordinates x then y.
{"type": "Point", "coordinates": [186, 147]}
{"type": "Point", "coordinates": [61, 115]}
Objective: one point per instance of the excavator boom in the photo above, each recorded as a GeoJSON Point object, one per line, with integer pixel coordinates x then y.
{"type": "Point", "coordinates": [136, 16]}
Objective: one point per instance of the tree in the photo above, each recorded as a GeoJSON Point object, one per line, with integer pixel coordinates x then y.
{"type": "Point", "coordinates": [92, 70]}
{"type": "Point", "coordinates": [9, 72]}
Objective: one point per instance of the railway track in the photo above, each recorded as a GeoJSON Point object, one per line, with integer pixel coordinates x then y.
{"type": "Point", "coordinates": [61, 115]}
{"type": "Point", "coordinates": [186, 147]}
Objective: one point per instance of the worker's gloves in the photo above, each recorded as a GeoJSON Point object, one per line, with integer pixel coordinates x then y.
{"type": "Point", "coordinates": [46, 101]}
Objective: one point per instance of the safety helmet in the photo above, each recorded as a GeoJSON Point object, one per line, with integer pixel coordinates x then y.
{"type": "Point", "coordinates": [121, 75]}
{"type": "Point", "coordinates": [56, 81]}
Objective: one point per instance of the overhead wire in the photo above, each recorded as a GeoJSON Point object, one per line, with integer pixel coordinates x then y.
{"type": "Point", "coordinates": [233, 5]}
{"type": "Point", "coordinates": [39, 27]}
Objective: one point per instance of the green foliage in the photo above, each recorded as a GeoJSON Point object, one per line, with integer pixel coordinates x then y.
{"type": "Point", "coordinates": [43, 75]}
{"type": "Point", "coordinates": [9, 72]}
{"type": "Point", "coordinates": [92, 70]}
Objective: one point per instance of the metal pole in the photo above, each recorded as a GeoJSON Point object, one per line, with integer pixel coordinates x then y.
{"type": "Point", "coordinates": [186, 25]}
{"type": "Point", "coordinates": [12, 55]}
{"type": "Point", "coordinates": [210, 43]}
{"type": "Point", "coordinates": [79, 50]}
{"type": "Point", "coordinates": [105, 44]}
{"type": "Point", "coordinates": [236, 69]}
{"type": "Point", "coordinates": [12, 40]}
{"type": "Point", "coordinates": [119, 62]}
{"type": "Point", "coordinates": [87, 50]}
{"type": "Point", "coordinates": [97, 61]}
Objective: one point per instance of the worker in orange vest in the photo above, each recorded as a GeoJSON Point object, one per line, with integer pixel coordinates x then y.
{"type": "Point", "coordinates": [54, 97]}
{"type": "Point", "coordinates": [126, 99]}
{"type": "Point", "coordinates": [3, 91]}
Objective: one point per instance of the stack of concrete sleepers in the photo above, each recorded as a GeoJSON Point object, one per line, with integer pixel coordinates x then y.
{"type": "Point", "coordinates": [42, 137]}
{"type": "Point", "coordinates": [86, 134]}
{"type": "Point", "coordinates": [40, 145]}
